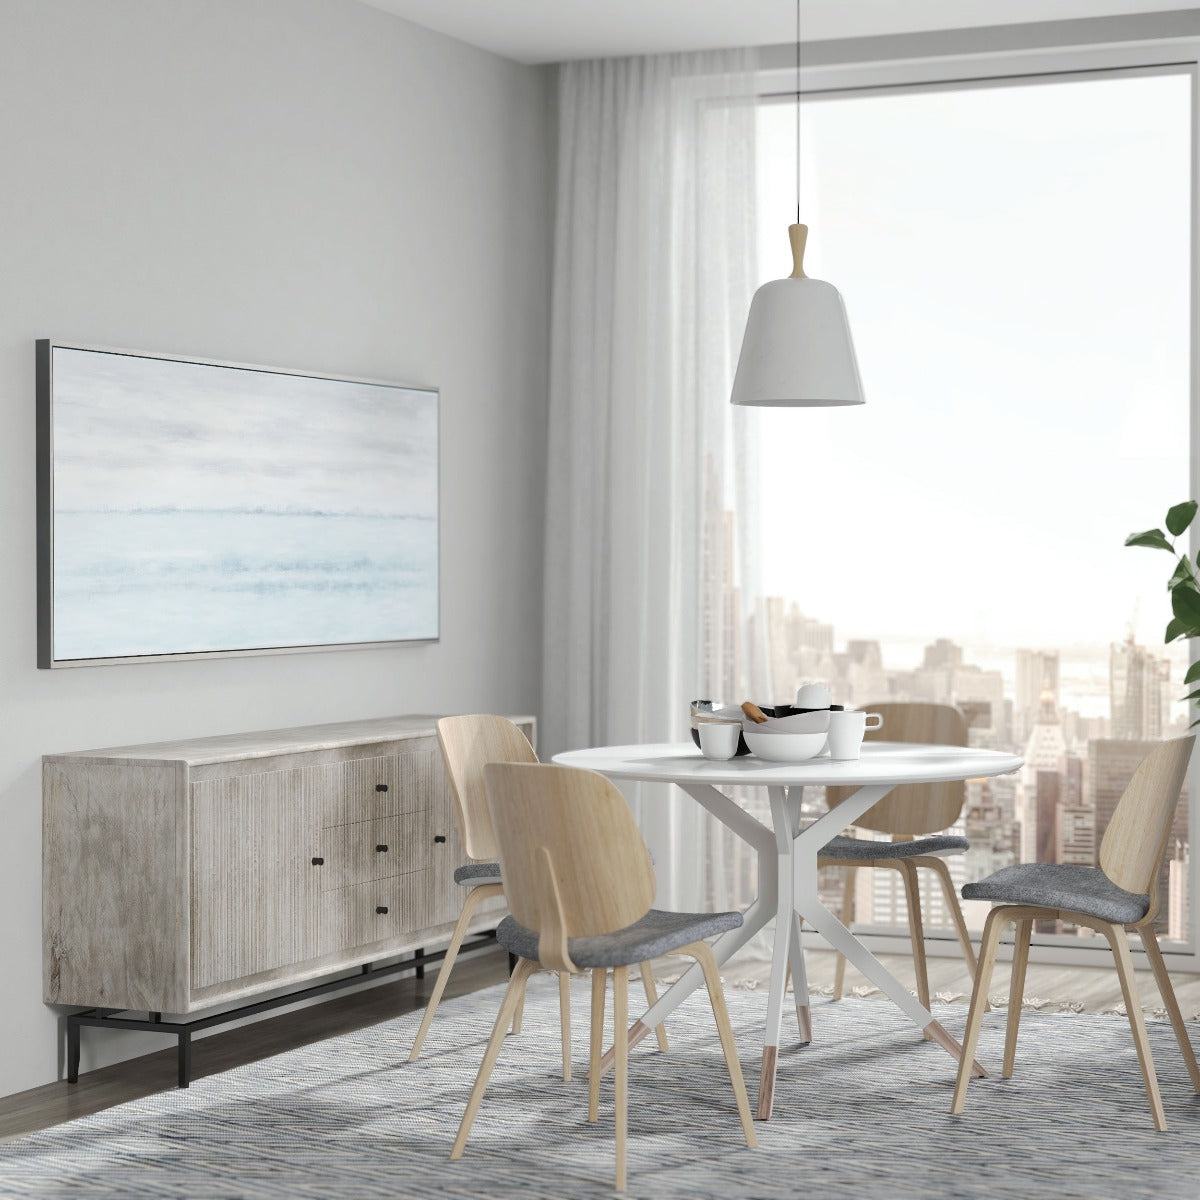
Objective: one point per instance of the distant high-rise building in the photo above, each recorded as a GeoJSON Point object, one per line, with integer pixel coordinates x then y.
{"type": "Point", "coordinates": [1076, 835]}
{"type": "Point", "coordinates": [943, 654]}
{"type": "Point", "coordinates": [1037, 673]}
{"type": "Point", "coordinates": [1139, 692]}
{"type": "Point", "coordinates": [1045, 752]}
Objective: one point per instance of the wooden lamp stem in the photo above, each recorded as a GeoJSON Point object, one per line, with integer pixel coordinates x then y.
{"type": "Point", "coordinates": [799, 236]}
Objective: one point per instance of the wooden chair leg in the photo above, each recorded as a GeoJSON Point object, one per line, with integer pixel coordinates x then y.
{"type": "Point", "coordinates": [942, 871]}
{"type": "Point", "coordinates": [1154, 955]}
{"type": "Point", "coordinates": [1137, 1022]}
{"type": "Point", "coordinates": [994, 926]}
{"type": "Point", "coordinates": [916, 929]}
{"type": "Point", "coordinates": [599, 986]}
{"type": "Point", "coordinates": [847, 916]}
{"type": "Point", "coordinates": [519, 1013]}
{"type": "Point", "coordinates": [703, 954]}
{"type": "Point", "coordinates": [621, 1066]}
{"type": "Point", "coordinates": [660, 1030]}
{"type": "Point", "coordinates": [1016, 993]}
{"type": "Point", "coordinates": [514, 992]}
{"type": "Point", "coordinates": [474, 898]}
{"type": "Point", "coordinates": [564, 1020]}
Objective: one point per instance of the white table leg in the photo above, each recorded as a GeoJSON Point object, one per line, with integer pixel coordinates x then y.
{"type": "Point", "coordinates": [839, 937]}
{"type": "Point", "coordinates": [760, 912]}
{"type": "Point", "coordinates": [795, 800]}
{"type": "Point", "coordinates": [785, 911]}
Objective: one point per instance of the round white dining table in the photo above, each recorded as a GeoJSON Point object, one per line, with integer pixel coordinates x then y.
{"type": "Point", "coordinates": [787, 860]}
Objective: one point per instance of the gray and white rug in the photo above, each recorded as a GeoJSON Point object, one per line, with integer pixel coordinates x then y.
{"type": "Point", "coordinates": [863, 1112]}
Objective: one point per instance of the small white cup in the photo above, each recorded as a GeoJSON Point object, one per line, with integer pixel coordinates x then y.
{"type": "Point", "coordinates": [719, 739]}
{"type": "Point", "coordinates": [846, 731]}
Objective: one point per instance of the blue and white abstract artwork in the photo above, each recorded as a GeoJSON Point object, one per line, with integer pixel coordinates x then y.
{"type": "Point", "coordinates": [202, 508]}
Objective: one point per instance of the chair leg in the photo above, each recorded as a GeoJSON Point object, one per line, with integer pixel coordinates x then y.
{"type": "Point", "coordinates": [1154, 955]}
{"type": "Point", "coordinates": [564, 1020]}
{"type": "Point", "coordinates": [660, 1030]}
{"type": "Point", "coordinates": [474, 898]}
{"type": "Point", "coordinates": [518, 1013]}
{"type": "Point", "coordinates": [703, 954]}
{"type": "Point", "coordinates": [942, 871]}
{"type": "Point", "coordinates": [514, 992]}
{"type": "Point", "coordinates": [847, 915]}
{"type": "Point", "coordinates": [599, 985]}
{"type": "Point", "coordinates": [1137, 1023]}
{"type": "Point", "coordinates": [994, 926]}
{"type": "Point", "coordinates": [916, 929]}
{"type": "Point", "coordinates": [621, 1066]}
{"type": "Point", "coordinates": [1016, 993]}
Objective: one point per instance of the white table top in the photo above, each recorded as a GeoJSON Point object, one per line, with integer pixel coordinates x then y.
{"type": "Point", "coordinates": [881, 762]}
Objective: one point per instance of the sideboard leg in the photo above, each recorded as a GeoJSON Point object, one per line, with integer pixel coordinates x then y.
{"type": "Point", "coordinates": [420, 962]}
{"type": "Point", "coordinates": [72, 1050]}
{"type": "Point", "coordinates": [185, 1058]}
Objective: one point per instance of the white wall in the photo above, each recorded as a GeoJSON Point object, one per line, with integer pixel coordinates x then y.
{"type": "Point", "coordinates": [310, 184]}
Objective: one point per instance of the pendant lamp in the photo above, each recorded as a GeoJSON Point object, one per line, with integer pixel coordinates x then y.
{"type": "Point", "coordinates": [797, 351]}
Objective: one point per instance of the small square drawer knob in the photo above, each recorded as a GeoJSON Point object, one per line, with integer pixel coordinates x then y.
{"type": "Point", "coordinates": [381, 849]}
{"type": "Point", "coordinates": [381, 787]}
{"type": "Point", "coordinates": [382, 910]}
{"type": "Point", "coordinates": [318, 862]}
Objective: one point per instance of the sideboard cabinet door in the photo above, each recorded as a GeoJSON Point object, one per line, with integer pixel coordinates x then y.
{"type": "Point", "coordinates": [255, 889]}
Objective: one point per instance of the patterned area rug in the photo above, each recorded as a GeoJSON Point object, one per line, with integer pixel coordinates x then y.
{"type": "Point", "coordinates": [863, 1112]}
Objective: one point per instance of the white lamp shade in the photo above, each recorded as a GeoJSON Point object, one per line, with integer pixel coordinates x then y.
{"type": "Point", "coordinates": [797, 350]}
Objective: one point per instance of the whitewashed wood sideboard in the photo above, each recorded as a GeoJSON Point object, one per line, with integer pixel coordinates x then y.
{"type": "Point", "coordinates": [179, 876]}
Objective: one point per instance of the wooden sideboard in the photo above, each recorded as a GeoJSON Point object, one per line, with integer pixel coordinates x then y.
{"type": "Point", "coordinates": [182, 875]}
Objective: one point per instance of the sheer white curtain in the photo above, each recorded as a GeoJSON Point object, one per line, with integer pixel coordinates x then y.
{"type": "Point", "coordinates": [651, 505]}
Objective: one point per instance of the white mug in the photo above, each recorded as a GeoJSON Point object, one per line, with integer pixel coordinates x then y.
{"type": "Point", "coordinates": [719, 739]}
{"type": "Point", "coordinates": [846, 731]}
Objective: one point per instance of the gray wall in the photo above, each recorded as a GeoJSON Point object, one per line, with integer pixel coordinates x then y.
{"type": "Point", "coordinates": [311, 184]}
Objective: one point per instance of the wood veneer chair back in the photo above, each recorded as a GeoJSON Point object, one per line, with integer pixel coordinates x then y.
{"type": "Point", "coordinates": [1136, 838]}
{"type": "Point", "coordinates": [572, 856]}
{"type": "Point", "coordinates": [468, 743]}
{"type": "Point", "coordinates": [914, 808]}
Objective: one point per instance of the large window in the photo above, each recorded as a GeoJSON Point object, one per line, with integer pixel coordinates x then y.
{"type": "Point", "coordinates": [1016, 263]}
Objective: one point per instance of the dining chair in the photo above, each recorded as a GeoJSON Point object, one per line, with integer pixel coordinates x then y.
{"type": "Point", "coordinates": [916, 816]}
{"type": "Point", "coordinates": [468, 743]}
{"type": "Point", "coordinates": [580, 886]}
{"type": "Point", "coordinates": [1122, 892]}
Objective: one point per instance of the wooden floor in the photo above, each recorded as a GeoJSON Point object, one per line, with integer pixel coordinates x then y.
{"type": "Point", "coordinates": [54, 1103]}
{"type": "Point", "coordinates": [1096, 988]}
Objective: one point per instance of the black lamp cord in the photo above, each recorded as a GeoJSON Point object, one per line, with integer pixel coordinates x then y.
{"type": "Point", "coordinates": [797, 112]}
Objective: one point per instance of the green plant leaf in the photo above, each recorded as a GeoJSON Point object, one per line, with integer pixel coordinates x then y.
{"type": "Point", "coordinates": [1179, 517]}
{"type": "Point", "coordinates": [1193, 672]}
{"type": "Point", "coordinates": [1185, 604]}
{"type": "Point", "coordinates": [1154, 538]}
{"type": "Point", "coordinates": [1175, 629]}
{"type": "Point", "coordinates": [1193, 695]}
{"type": "Point", "coordinates": [1182, 571]}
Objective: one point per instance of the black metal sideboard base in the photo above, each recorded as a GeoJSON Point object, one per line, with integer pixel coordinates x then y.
{"type": "Point", "coordinates": [108, 1018]}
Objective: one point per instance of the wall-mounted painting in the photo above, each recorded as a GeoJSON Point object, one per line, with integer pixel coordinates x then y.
{"type": "Point", "coordinates": [188, 507]}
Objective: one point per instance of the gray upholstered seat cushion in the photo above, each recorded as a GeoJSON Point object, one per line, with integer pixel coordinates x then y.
{"type": "Point", "coordinates": [1061, 885]}
{"type": "Point", "coordinates": [863, 848]}
{"type": "Point", "coordinates": [658, 932]}
{"type": "Point", "coordinates": [474, 873]}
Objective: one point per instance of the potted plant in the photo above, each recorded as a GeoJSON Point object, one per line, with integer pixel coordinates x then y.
{"type": "Point", "coordinates": [1184, 584]}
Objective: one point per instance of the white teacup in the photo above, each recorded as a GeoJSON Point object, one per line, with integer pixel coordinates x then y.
{"type": "Point", "coordinates": [846, 730]}
{"type": "Point", "coordinates": [719, 739]}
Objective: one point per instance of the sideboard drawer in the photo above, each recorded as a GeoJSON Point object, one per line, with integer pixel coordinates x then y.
{"type": "Point", "coordinates": [372, 912]}
{"type": "Point", "coordinates": [379, 849]}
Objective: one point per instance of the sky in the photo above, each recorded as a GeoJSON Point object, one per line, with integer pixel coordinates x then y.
{"type": "Point", "coordinates": [133, 432]}
{"type": "Point", "coordinates": [1015, 263]}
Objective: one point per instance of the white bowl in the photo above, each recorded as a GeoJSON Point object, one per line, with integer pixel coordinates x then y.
{"type": "Point", "coordinates": [812, 722]}
{"type": "Point", "coordinates": [785, 747]}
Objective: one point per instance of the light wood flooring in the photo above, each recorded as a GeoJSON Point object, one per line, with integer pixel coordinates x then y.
{"type": "Point", "coordinates": [1096, 988]}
